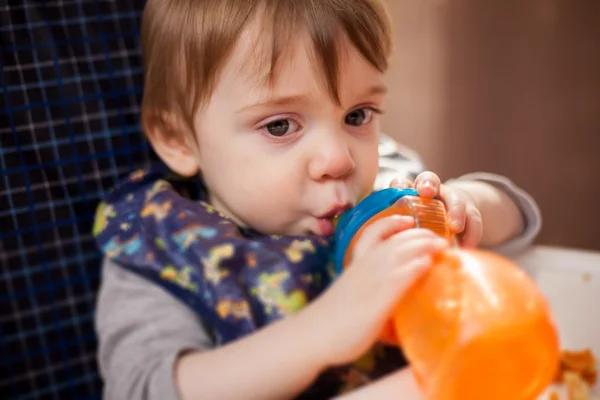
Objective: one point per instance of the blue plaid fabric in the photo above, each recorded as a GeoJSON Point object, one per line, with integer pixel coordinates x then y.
{"type": "Point", "coordinates": [71, 83]}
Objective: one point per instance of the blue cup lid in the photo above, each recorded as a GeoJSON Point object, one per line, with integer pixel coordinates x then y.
{"type": "Point", "coordinates": [352, 220]}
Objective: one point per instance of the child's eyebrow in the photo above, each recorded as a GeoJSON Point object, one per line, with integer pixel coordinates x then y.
{"type": "Point", "coordinates": [377, 89]}
{"type": "Point", "coordinates": [278, 101]}
{"type": "Point", "coordinates": [304, 98]}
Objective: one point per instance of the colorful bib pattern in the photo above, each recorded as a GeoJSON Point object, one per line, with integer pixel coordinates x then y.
{"type": "Point", "coordinates": [234, 279]}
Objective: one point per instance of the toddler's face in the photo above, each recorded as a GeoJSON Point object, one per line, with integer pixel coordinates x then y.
{"type": "Point", "coordinates": [285, 159]}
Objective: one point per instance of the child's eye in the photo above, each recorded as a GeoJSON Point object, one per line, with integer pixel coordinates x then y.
{"type": "Point", "coordinates": [360, 116]}
{"type": "Point", "coordinates": [281, 127]}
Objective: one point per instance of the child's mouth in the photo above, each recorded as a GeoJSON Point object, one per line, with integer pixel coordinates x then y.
{"type": "Point", "coordinates": [328, 221]}
{"type": "Point", "coordinates": [335, 219]}
{"type": "Point", "coordinates": [337, 211]}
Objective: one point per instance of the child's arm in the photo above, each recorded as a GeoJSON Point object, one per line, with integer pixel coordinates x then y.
{"type": "Point", "coordinates": [141, 331]}
{"type": "Point", "coordinates": [282, 360]}
{"type": "Point", "coordinates": [511, 217]}
{"type": "Point", "coordinates": [278, 361]}
{"type": "Point", "coordinates": [152, 347]}
{"type": "Point", "coordinates": [501, 217]}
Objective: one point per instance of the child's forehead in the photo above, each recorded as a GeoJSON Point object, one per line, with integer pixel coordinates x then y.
{"type": "Point", "coordinates": [249, 70]}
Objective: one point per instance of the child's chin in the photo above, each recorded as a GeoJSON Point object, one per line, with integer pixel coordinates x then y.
{"type": "Point", "coordinates": [299, 231]}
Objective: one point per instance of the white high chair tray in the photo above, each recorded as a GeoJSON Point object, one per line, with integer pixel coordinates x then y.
{"type": "Point", "coordinates": [570, 279]}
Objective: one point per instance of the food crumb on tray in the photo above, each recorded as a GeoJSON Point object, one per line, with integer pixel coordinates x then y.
{"type": "Point", "coordinates": [577, 372]}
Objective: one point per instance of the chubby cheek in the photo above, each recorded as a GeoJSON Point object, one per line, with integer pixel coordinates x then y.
{"type": "Point", "coordinates": [271, 179]}
{"type": "Point", "coordinates": [265, 212]}
{"type": "Point", "coordinates": [266, 196]}
{"type": "Point", "coordinates": [367, 166]}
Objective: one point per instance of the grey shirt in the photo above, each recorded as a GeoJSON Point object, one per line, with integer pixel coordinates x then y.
{"type": "Point", "coordinates": [142, 329]}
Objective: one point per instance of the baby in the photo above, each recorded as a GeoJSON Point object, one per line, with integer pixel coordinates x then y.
{"type": "Point", "coordinates": [217, 280]}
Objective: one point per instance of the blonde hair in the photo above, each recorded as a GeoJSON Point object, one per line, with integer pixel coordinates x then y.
{"type": "Point", "coordinates": [185, 43]}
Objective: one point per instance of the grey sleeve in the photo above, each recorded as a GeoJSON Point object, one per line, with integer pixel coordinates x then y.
{"type": "Point", "coordinates": [142, 330]}
{"type": "Point", "coordinates": [528, 206]}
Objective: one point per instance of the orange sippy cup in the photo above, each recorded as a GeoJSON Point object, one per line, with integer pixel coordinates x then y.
{"type": "Point", "coordinates": [474, 326]}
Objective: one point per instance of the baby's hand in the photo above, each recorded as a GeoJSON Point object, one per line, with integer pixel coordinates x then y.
{"type": "Point", "coordinates": [351, 314]}
{"type": "Point", "coordinates": [463, 215]}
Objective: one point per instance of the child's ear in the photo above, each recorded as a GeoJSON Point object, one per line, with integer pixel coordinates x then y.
{"type": "Point", "coordinates": [172, 141]}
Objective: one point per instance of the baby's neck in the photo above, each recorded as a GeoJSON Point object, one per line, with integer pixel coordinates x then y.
{"type": "Point", "coordinates": [218, 205]}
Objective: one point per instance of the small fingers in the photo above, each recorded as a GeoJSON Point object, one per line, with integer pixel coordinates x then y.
{"type": "Point", "coordinates": [456, 206]}
{"type": "Point", "coordinates": [428, 184]}
{"type": "Point", "coordinates": [400, 277]}
{"type": "Point", "coordinates": [473, 231]}
{"type": "Point", "coordinates": [381, 230]}
{"type": "Point", "coordinates": [414, 244]}
{"type": "Point", "coordinates": [401, 183]}
{"type": "Point", "coordinates": [412, 270]}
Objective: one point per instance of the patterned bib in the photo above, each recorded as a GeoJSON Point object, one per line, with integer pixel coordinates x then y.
{"type": "Point", "coordinates": [236, 280]}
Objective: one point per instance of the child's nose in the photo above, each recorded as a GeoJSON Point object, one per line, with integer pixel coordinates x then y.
{"type": "Point", "coordinates": [332, 160]}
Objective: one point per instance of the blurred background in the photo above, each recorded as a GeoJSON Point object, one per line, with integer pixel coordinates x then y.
{"type": "Point", "coordinates": [504, 86]}
{"type": "Point", "coordinates": [511, 87]}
